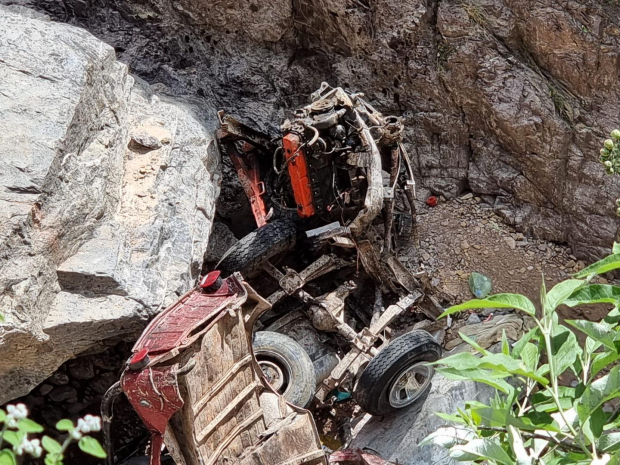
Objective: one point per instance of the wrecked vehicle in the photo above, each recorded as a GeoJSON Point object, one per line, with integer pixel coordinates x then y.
{"type": "Point", "coordinates": [338, 166]}
{"type": "Point", "coordinates": [195, 384]}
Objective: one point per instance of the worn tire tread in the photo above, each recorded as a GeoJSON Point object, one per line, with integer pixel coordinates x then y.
{"type": "Point", "coordinates": [373, 377]}
{"type": "Point", "coordinates": [248, 255]}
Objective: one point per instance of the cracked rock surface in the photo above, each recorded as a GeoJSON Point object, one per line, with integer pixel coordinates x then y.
{"type": "Point", "coordinates": [107, 197]}
{"type": "Point", "coordinates": [508, 98]}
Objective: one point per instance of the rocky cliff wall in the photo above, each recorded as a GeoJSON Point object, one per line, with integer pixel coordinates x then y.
{"type": "Point", "coordinates": [107, 196]}
{"type": "Point", "coordinates": [508, 98]}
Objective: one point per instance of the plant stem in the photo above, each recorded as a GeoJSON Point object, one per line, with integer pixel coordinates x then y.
{"type": "Point", "coordinates": [63, 449]}
{"type": "Point", "coordinates": [4, 428]}
{"type": "Point", "coordinates": [567, 446]}
{"type": "Point", "coordinates": [546, 332]}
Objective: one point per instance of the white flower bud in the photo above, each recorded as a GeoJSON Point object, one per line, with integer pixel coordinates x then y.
{"type": "Point", "coordinates": [609, 144]}
{"type": "Point", "coordinates": [608, 164]}
{"type": "Point", "coordinates": [76, 434]}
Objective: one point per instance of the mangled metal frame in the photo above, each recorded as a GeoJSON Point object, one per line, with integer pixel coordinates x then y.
{"type": "Point", "coordinates": [193, 380]}
{"type": "Point", "coordinates": [382, 265]}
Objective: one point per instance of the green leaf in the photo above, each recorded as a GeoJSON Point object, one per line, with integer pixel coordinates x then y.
{"type": "Point", "coordinates": [600, 332]}
{"type": "Point", "coordinates": [517, 301]}
{"type": "Point", "coordinates": [527, 337]}
{"type": "Point", "coordinates": [561, 292]}
{"type": "Point", "coordinates": [446, 437]}
{"type": "Point", "coordinates": [594, 294]}
{"type": "Point", "coordinates": [481, 376]}
{"type": "Point", "coordinates": [565, 347]}
{"type": "Point", "coordinates": [518, 449]}
{"type": "Point", "coordinates": [2, 416]}
{"type": "Point", "coordinates": [597, 393]}
{"type": "Point", "coordinates": [592, 428]}
{"type": "Point", "coordinates": [609, 263]}
{"type": "Point", "coordinates": [28, 426]}
{"type": "Point", "coordinates": [7, 457]}
{"type": "Point", "coordinates": [474, 344]}
{"type": "Point", "coordinates": [50, 445]}
{"type": "Point", "coordinates": [601, 360]}
{"type": "Point", "coordinates": [609, 442]}
{"type": "Point", "coordinates": [615, 248]}
{"type": "Point", "coordinates": [13, 437]}
{"type": "Point", "coordinates": [451, 417]}
{"type": "Point", "coordinates": [530, 356]}
{"type": "Point", "coordinates": [65, 425]}
{"type": "Point", "coordinates": [54, 459]}
{"type": "Point", "coordinates": [92, 447]}
{"type": "Point", "coordinates": [505, 344]}
{"type": "Point", "coordinates": [486, 449]}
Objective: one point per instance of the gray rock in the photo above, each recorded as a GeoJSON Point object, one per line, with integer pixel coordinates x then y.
{"type": "Point", "coordinates": [523, 133]}
{"type": "Point", "coordinates": [80, 368]}
{"type": "Point", "coordinates": [96, 235]}
{"type": "Point", "coordinates": [395, 437]}
{"type": "Point", "coordinates": [473, 319]}
{"type": "Point", "coordinates": [66, 394]}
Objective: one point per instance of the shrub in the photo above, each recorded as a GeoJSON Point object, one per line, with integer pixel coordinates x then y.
{"type": "Point", "coordinates": [17, 429]}
{"type": "Point", "coordinates": [532, 418]}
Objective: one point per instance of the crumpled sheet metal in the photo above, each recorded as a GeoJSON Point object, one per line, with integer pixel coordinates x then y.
{"type": "Point", "coordinates": [356, 457]}
{"type": "Point", "coordinates": [488, 333]}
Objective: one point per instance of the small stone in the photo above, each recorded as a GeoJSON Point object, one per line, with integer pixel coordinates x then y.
{"type": "Point", "coordinates": [522, 270]}
{"type": "Point", "coordinates": [81, 368]}
{"type": "Point", "coordinates": [542, 247]}
{"type": "Point", "coordinates": [473, 319]}
{"type": "Point", "coordinates": [463, 224]}
{"type": "Point", "coordinates": [511, 242]}
{"type": "Point", "coordinates": [425, 256]}
{"type": "Point", "coordinates": [45, 389]}
{"type": "Point", "coordinates": [519, 237]}
{"type": "Point", "coordinates": [445, 223]}
{"type": "Point", "coordinates": [477, 246]}
{"type": "Point", "coordinates": [511, 272]}
{"type": "Point", "coordinates": [59, 378]}
{"type": "Point", "coordinates": [76, 407]}
{"type": "Point", "coordinates": [580, 265]}
{"type": "Point", "coordinates": [571, 264]}
{"type": "Point", "coordinates": [530, 268]}
{"type": "Point", "coordinates": [603, 280]}
{"type": "Point", "coordinates": [487, 311]}
{"type": "Point", "coordinates": [467, 196]}
{"type": "Point", "coordinates": [64, 394]}
{"type": "Point", "coordinates": [465, 245]}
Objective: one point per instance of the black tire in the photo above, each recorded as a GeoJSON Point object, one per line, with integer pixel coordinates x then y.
{"type": "Point", "coordinates": [299, 383]}
{"type": "Point", "coordinates": [403, 353]}
{"type": "Point", "coordinates": [248, 255]}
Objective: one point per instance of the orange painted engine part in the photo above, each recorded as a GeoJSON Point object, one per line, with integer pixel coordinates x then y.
{"type": "Point", "coordinates": [298, 172]}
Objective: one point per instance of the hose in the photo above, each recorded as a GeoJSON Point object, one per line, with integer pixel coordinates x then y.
{"type": "Point", "coordinates": [107, 412]}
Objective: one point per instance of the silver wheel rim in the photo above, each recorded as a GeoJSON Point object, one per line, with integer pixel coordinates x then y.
{"type": "Point", "coordinates": [409, 384]}
{"type": "Point", "coordinates": [273, 373]}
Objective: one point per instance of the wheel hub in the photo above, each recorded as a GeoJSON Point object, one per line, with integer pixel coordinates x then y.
{"type": "Point", "coordinates": [273, 373]}
{"type": "Point", "coordinates": [409, 385]}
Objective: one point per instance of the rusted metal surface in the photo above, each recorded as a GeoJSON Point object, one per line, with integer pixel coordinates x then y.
{"type": "Point", "coordinates": [298, 172]}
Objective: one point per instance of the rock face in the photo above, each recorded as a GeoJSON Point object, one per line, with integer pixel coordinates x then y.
{"type": "Point", "coordinates": [509, 98]}
{"type": "Point", "coordinates": [107, 196]}
{"type": "Point", "coordinates": [395, 437]}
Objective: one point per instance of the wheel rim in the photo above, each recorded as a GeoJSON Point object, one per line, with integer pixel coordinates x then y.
{"type": "Point", "coordinates": [409, 384]}
{"type": "Point", "coordinates": [273, 373]}
{"type": "Point", "coordinates": [275, 366]}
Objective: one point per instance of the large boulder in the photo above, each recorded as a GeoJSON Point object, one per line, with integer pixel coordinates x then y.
{"type": "Point", "coordinates": [107, 197]}
{"type": "Point", "coordinates": [509, 98]}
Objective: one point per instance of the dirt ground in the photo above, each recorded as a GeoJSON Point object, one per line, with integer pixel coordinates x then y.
{"type": "Point", "coordinates": [462, 236]}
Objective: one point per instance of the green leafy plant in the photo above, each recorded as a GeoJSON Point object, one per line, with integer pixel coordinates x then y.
{"type": "Point", "coordinates": [17, 429]}
{"type": "Point", "coordinates": [533, 419]}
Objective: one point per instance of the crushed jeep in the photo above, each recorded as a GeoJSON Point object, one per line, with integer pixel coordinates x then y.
{"type": "Point", "coordinates": [195, 384]}
{"type": "Point", "coordinates": [334, 190]}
